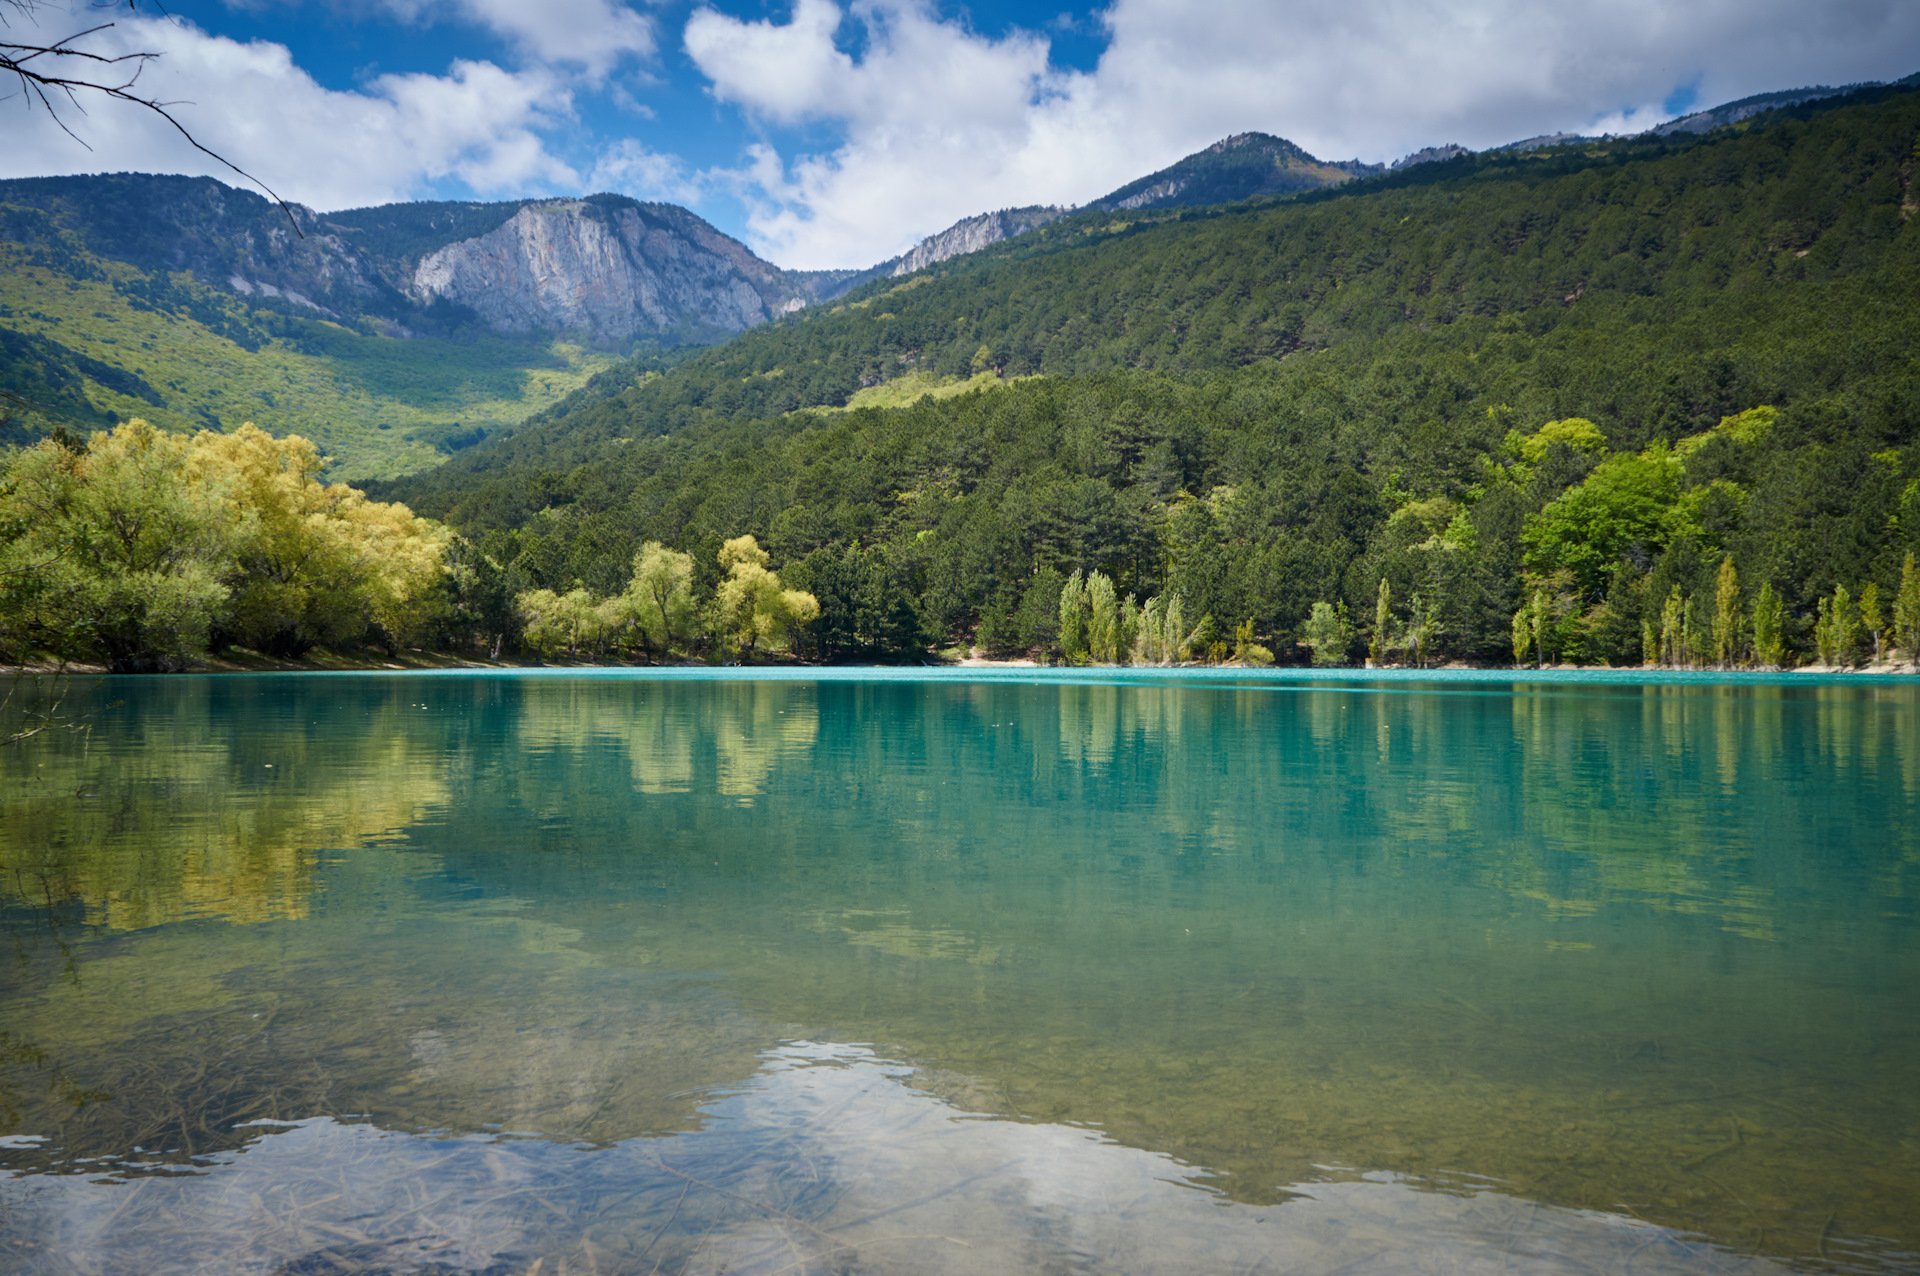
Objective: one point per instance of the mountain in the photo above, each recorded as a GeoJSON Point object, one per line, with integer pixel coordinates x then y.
{"type": "Point", "coordinates": [392, 336]}
{"type": "Point", "coordinates": [608, 268]}
{"type": "Point", "coordinates": [1234, 168]}
{"type": "Point", "coordinates": [604, 268]}
{"type": "Point", "coordinates": [1748, 107]}
{"type": "Point", "coordinates": [1270, 404]}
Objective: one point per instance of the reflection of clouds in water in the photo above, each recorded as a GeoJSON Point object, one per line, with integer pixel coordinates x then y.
{"type": "Point", "coordinates": [826, 1159]}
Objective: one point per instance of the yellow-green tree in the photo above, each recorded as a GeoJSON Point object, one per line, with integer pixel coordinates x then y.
{"type": "Point", "coordinates": [1382, 624]}
{"type": "Point", "coordinates": [1073, 619]}
{"type": "Point", "coordinates": [570, 624]}
{"type": "Point", "coordinates": [1103, 620]}
{"type": "Point", "coordinates": [119, 550]}
{"type": "Point", "coordinates": [1328, 633]}
{"type": "Point", "coordinates": [661, 596]}
{"type": "Point", "coordinates": [751, 608]}
{"type": "Point", "coordinates": [1726, 614]}
{"type": "Point", "coordinates": [1906, 611]}
{"type": "Point", "coordinates": [316, 563]}
{"type": "Point", "coordinates": [1872, 621]}
{"type": "Point", "coordinates": [1769, 628]}
{"type": "Point", "coordinates": [1837, 630]}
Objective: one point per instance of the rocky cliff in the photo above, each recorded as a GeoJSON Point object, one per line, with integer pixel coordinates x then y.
{"type": "Point", "coordinates": [608, 269]}
{"type": "Point", "coordinates": [970, 235]}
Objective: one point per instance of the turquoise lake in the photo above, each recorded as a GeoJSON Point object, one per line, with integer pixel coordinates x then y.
{"type": "Point", "coordinates": [960, 971]}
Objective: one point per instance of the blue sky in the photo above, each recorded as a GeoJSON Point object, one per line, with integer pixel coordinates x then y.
{"type": "Point", "coordinates": [836, 132]}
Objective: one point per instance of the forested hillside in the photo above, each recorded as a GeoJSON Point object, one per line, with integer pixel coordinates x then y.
{"type": "Point", "coordinates": [1592, 403]}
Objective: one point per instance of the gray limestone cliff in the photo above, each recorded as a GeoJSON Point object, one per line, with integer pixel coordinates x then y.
{"type": "Point", "coordinates": [970, 235]}
{"type": "Point", "coordinates": [607, 269]}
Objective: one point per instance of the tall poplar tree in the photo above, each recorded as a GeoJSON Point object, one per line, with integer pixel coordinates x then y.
{"type": "Point", "coordinates": [1769, 628]}
{"type": "Point", "coordinates": [1073, 619]}
{"type": "Point", "coordinates": [1382, 621]}
{"type": "Point", "coordinates": [1726, 614]}
{"type": "Point", "coordinates": [1906, 611]}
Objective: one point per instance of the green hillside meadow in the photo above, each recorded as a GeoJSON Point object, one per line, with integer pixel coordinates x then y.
{"type": "Point", "coordinates": [85, 341]}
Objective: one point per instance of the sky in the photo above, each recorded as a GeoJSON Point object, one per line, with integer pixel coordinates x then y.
{"type": "Point", "coordinates": [836, 133]}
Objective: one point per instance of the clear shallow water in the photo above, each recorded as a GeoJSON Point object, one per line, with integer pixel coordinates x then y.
{"type": "Point", "coordinates": [910, 973]}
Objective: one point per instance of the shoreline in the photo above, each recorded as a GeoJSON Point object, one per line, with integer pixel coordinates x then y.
{"type": "Point", "coordinates": [421, 661]}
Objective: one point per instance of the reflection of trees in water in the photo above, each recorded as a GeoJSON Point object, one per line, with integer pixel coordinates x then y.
{"type": "Point", "coordinates": [1687, 797]}
{"type": "Point", "coordinates": [726, 736]}
{"type": "Point", "coordinates": [170, 808]}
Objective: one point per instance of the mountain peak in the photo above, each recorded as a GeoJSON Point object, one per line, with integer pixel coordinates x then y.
{"type": "Point", "coordinates": [1239, 166]}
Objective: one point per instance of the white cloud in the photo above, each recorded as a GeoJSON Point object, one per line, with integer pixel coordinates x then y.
{"type": "Point", "coordinates": [478, 123]}
{"type": "Point", "coordinates": [591, 34]}
{"type": "Point", "coordinates": [937, 122]}
{"type": "Point", "coordinates": [789, 72]}
{"type": "Point", "coordinates": [629, 168]}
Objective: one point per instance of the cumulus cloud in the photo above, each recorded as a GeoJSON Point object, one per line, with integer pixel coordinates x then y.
{"type": "Point", "coordinates": [478, 124]}
{"type": "Point", "coordinates": [631, 169]}
{"type": "Point", "coordinates": [592, 35]}
{"type": "Point", "coordinates": [935, 121]}
{"type": "Point", "coordinates": [787, 71]}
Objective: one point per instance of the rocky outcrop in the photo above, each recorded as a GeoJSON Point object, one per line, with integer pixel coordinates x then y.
{"type": "Point", "coordinates": [606, 269]}
{"type": "Point", "coordinates": [970, 235]}
{"type": "Point", "coordinates": [1430, 155]}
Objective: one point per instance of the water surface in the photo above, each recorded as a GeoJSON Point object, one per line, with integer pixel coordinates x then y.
{"type": "Point", "coordinates": [889, 972]}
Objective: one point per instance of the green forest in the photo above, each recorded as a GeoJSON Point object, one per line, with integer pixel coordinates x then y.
{"type": "Point", "coordinates": [1636, 401]}
{"type": "Point", "coordinates": [1569, 384]}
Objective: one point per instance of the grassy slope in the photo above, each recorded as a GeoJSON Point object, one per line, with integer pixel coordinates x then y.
{"type": "Point", "coordinates": [381, 407]}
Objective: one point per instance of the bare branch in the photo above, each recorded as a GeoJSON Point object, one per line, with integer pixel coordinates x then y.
{"type": "Point", "coordinates": [64, 70]}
